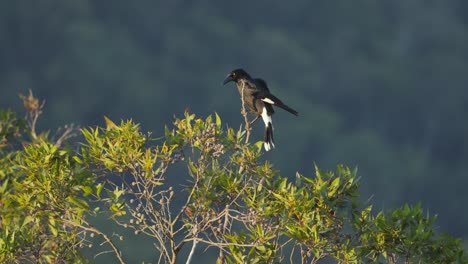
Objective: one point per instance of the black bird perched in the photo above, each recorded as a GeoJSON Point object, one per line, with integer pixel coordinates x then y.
{"type": "Point", "coordinates": [259, 100]}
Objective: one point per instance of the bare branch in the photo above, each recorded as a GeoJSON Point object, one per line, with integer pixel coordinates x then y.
{"type": "Point", "coordinates": [34, 109]}
{"type": "Point", "coordinates": [69, 131]}
{"type": "Point", "coordinates": [194, 245]}
{"type": "Point", "coordinates": [91, 228]}
{"type": "Point", "coordinates": [245, 114]}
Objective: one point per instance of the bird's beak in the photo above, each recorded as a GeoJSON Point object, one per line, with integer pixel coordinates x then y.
{"type": "Point", "coordinates": [228, 79]}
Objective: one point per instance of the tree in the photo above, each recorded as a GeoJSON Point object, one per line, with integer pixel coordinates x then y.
{"type": "Point", "coordinates": [234, 202]}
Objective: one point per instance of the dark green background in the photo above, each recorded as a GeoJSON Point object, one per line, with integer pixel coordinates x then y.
{"type": "Point", "coordinates": [378, 84]}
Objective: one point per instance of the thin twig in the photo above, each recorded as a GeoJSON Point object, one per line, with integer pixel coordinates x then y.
{"type": "Point", "coordinates": [244, 113]}
{"type": "Point", "coordinates": [221, 244]}
{"type": "Point", "coordinates": [189, 198]}
{"type": "Point", "coordinates": [69, 132]}
{"type": "Point", "coordinates": [225, 227]}
{"type": "Point", "coordinates": [33, 116]}
{"type": "Point", "coordinates": [91, 228]}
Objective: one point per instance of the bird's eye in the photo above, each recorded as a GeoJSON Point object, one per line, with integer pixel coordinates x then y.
{"type": "Point", "coordinates": [233, 74]}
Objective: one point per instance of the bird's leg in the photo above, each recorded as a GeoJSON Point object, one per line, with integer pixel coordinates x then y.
{"type": "Point", "coordinates": [255, 119]}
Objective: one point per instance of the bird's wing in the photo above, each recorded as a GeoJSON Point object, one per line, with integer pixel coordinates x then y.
{"type": "Point", "coordinates": [269, 98]}
{"type": "Point", "coordinates": [250, 85]}
{"type": "Point", "coordinates": [261, 84]}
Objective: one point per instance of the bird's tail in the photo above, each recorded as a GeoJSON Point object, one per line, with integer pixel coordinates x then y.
{"type": "Point", "coordinates": [287, 108]}
{"type": "Point", "coordinates": [268, 141]}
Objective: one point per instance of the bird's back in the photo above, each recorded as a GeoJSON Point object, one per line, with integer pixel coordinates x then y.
{"type": "Point", "coordinates": [261, 84]}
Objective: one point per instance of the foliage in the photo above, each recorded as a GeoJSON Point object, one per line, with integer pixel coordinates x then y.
{"type": "Point", "coordinates": [234, 201]}
{"type": "Point", "coordinates": [40, 195]}
{"type": "Point", "coordinates": [381, 84]}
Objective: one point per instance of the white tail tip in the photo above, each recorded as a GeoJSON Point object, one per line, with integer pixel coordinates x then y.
{"type": "Point", "coordinates": [268, 146]}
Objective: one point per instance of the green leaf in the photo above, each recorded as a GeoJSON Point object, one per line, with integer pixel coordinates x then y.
{"type": "Point", "coordinates": [333, 187]}
{"type": "Point", "coordinates": [4, 186]}
{"type": "Point", "coordinates": [218, 121]}
{"type": "Point", "coordinates": [27, 220]}
{"type": "Point", "coordinates": [78, 202]}
{"type": "Point", "coordinates": [87, 190]}
{"type": "Point", "coordinates": [77, 159]}
{"type": "Point", "coordinates": [52, 226]}
{"type": "Point", "coordinates": [99, 188]}
{"type": "Point", "coordinates": [208, 120]}
{"type": "Point", "coordinates": [117, 193]}
{"type": "Point", "coordinates": [109, 123]}
{"type": "Point", "coordinates": [259, 145]}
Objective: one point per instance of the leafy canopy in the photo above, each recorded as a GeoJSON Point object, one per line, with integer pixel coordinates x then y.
{"type": "Point", "coordinates": [233, 200]}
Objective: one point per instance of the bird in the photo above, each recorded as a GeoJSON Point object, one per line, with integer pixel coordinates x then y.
{"type": "Point", "coordinates": [259, 100]}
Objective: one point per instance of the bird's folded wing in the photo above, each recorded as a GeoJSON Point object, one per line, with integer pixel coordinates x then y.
{"type": "Point", "coordinates": [273, 100]}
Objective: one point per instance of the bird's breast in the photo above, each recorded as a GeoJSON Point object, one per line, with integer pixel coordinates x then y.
{"type": "Point", "coordinates": [247, 94]}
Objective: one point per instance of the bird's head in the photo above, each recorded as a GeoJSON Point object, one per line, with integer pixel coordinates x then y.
{"type": "Point", "coordinates": [236, 75]}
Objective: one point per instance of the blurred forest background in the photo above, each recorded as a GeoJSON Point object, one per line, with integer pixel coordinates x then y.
{"type": "Point", "coordinates": [382, 85]}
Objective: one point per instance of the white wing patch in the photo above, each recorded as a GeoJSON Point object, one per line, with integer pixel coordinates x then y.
{"type": "Point", "coordinates": [268, 100]}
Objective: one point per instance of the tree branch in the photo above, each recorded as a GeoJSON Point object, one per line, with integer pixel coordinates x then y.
{"type": "Point", "coordinates": [91, 228]}
{"type": "Point", "coordinates": [194, 245]}
{"type": "Point", "coordinates": [245, 114]}
{"type": "Point", "coordinates": [69, 132]}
